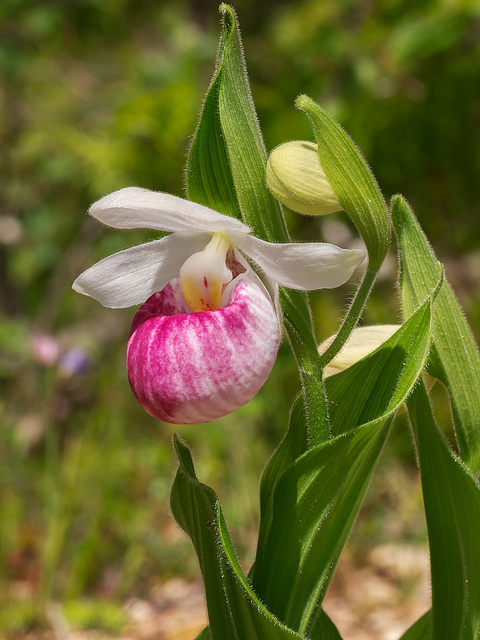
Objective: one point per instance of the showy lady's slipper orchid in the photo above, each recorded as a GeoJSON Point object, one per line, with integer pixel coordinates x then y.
{"type": "Point", "coordinates": [207, 336]}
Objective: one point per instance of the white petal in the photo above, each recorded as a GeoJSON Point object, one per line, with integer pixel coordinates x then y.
{"type": "Point", "coordinates": [136, 208]}
{"type": "Point", "coordinates": [266, 283]}
{"type": "Point", "coordinates": [131, 276]}
{"type": "Point", "coordinates": [307, 266]}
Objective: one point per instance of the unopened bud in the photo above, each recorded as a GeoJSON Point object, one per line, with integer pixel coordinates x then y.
{"type": "Point", "coordinates": [362, 342]}
{"type": "Point", "coordinates": [296, 178]}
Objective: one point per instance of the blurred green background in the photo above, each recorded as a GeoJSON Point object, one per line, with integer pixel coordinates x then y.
{"type": "Point", "coordinates": [95, 96]}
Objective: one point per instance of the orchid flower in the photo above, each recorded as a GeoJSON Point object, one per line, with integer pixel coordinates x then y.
{"type": "Point", "coordinates": [206, 338]}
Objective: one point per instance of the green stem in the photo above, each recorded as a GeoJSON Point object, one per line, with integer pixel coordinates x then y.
{"type": "Point", "coordinates": [351, 318]}
{"type": "Point", "coordinates": [298, 325]}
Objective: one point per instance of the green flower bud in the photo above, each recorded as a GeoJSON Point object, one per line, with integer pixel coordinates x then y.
{"type": "Point", "coordinates": [296, 178]}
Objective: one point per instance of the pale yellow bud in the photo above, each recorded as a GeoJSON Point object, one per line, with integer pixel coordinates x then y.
{"type": "Point", "coordinates": [296, 178]}
{"type": "Point", "coordinates": [362, 342]}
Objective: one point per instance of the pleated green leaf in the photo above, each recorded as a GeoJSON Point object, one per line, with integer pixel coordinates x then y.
{"type": "Point", "coordinates": [234, 610]}
{"type": "Point", "coordinates": [209, 178]}
{"type": "Point", "coordinates": [454, 358]}
{"type": "Point", "coordinates": [315, 503]}
{"type": "Point", "coordinates": [316, 499]}
{"type": "Point", "coordinates": [294, 444]}
{"type": "Point", "coordinates": [379, 383]}
{"type": "Point", "coordinates": [243, 139]}
{"type": "Point", "coordinates": [351, 180]}
{"type": "Point", "coordinates": [452, 508]}
{"type": "Point", "coordinates": [347, 410]}
{"type": "Point", "coordinates": [227, 162]}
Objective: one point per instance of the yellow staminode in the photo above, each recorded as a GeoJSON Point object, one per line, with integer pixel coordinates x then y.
{"type": "Point", "coordinates": [204, 275]}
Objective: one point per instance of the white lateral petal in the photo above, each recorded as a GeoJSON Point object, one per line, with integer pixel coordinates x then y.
{"type": "Point", "coordinates": [131, 276]}
{"type": "Point", "coordinates": [307, 266]}
{"type": "Point", "coordinates": [136, 208]}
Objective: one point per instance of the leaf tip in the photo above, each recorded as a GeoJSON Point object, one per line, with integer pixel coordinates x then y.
{"type": "Point", "coordinates": [302, 100]}
{"type": "Point", "coordinates": [226, 8]}
{"type": "Point", "coordinates": [184, 456]}
{"type": "Point", "coordinates": [399, 208]}
{"type": "Point", "coordinates": [397, 200]}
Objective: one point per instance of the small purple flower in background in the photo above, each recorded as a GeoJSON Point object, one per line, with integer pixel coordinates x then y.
{"type": "Point", "coordinates": [207, 336]}
{"type": "Point", "coordinates": [74, 362]}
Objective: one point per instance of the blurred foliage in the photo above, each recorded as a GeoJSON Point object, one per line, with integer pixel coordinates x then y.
{"type": "Point", "coordinates": [95, 96]}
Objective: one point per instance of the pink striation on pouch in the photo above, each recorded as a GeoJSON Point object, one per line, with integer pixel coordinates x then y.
{"type": "Point", "coordinates": [190, 368]}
